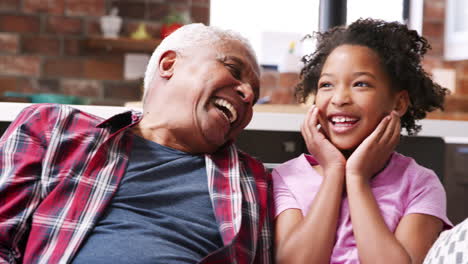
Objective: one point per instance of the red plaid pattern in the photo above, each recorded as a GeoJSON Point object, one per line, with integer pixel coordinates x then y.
{"type": "Point", "coordinates": [60, 167]}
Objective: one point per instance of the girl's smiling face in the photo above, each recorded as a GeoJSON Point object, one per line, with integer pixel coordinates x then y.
{"type": "Point", "coordinates": [354, 94]}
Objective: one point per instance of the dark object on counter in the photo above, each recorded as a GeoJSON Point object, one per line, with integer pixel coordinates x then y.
{"type": "Point", "coordinates": [49, 98]}
{"type": "Point", "coordinates": [332, 13]}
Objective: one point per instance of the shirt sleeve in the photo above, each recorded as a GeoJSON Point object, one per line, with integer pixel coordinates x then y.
{"type": "Point", "coordinates": [427, 196]}
{"type": "Point", "coordinates": [21, 151]}
{"type": "Point", "coordinates": [283, 197]}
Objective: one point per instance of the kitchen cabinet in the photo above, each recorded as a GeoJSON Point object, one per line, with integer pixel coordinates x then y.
{"type": "Point", "coordinates": [456, 181]}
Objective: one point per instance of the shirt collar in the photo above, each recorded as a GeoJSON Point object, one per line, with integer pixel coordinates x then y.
{"type": "Point", "coordinates": [122, 120]}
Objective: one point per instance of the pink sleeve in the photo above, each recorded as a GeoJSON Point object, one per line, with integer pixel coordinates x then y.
{"type": "Point", "coordinates": [283, 197]}
{"type": "Point", "coordinates": [427, 196]}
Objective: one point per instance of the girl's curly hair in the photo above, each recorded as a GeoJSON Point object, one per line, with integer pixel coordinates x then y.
{"type": "Point", "coordinates": [400, 50]}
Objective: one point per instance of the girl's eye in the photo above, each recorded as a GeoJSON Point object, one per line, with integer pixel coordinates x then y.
{"type": "Point", "coordinates": [235, 72]}
{"type": "Point", "coordinates": [324, 85]}
{"type": "Point", "coordinates": [361, 84]}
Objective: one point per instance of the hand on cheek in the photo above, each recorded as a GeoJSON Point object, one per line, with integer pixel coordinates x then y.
{"type": "Point", "coordinates": [374, 152]}
{"type": "Point", "coordinates": [328, 156]}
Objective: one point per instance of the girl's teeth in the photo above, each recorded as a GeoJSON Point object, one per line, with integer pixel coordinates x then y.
{"type": "Point", "coordinates": [342, 119]}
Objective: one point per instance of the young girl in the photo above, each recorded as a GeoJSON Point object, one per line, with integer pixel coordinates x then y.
{"type": "Point", "coordinates": [355, 200]}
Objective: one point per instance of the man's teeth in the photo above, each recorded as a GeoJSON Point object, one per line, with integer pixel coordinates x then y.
{"type": "Point", "coordinates": [223, 103]}
{"type": "Point", "coordinates": [342, 119]}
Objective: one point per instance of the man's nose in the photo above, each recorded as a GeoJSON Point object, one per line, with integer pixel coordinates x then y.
{"type": "Point", "coordinates": [341, 96]}
{"type": "Point", "coordinates": [245, 91]}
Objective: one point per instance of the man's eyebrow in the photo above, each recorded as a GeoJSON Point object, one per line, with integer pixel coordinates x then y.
{"type": "Point", "coordinates": [243, 67]}
{"type": "Point", "coordinates": [237, 60]}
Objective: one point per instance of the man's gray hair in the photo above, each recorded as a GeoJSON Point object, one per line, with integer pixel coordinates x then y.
{"type": "Point", "coordinates": [190, 36]}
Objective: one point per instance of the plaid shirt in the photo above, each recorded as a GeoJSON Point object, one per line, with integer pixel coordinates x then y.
{"type": "Point", "coordinates": [60, 168]}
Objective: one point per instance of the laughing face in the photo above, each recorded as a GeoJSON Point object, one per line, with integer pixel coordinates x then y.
{"type": "Point", "coordinates": [353, 95]}
{"type": "Point", "coordinates": [209, 95]}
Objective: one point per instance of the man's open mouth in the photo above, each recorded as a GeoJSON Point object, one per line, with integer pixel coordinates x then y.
{"type": "Point", "coordinates": [226, 108]}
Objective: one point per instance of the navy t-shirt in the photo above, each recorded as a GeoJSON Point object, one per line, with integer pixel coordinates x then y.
{"type": "Point", "coordinates": [161, 213]}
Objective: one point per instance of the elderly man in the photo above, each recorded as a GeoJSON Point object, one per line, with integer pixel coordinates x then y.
{"type": "Point", "coordinates": [164, 186]}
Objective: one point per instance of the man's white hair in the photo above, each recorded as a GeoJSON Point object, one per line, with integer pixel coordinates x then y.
{"type": "Point", "coordinates": [190, 36]}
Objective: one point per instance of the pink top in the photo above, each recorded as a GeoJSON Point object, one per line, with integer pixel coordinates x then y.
{"type": "Point", "coordinates": [402, 188]}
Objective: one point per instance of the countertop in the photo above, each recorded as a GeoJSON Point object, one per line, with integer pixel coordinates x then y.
{"type": "Point", "coordinates": [268, 118]}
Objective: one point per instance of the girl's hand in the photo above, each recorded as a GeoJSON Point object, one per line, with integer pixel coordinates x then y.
{"type": "Point", "coordinates": [328, 156]}
{"type": "Point", "coordinates": [374, 152]}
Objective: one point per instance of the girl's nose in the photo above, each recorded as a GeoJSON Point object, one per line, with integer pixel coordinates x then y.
{"type": "Point", "coordinates": [341, 96]}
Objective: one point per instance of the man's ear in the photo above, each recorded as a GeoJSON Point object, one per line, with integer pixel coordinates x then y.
{"type": "Point", "coordinates": [166, 64]}
{"type": "Point", "coordinates": [402, 102]}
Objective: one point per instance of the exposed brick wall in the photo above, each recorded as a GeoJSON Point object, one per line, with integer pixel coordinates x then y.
{"type": "Point", "coordinates": [42, 51]}
{"type": "Point", "coordinates": [456, 105]}
{"type": "Point", "coordinates": [278, 87]}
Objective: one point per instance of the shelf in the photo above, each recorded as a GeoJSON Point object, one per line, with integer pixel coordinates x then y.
{"type": "Point", "coordinates": [121, 45]}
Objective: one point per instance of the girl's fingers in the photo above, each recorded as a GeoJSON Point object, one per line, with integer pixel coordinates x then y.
{"type": "Point", "coordinates": [396, 131]}
{"type": "Point", "coordinates": [306, 134]}
{"type": "Point", "coordinates": [310, 122]}
{"type": "Point", "coordinates": [320, 121]}
{"type": "Point", "coordinates": [314, 120]}
{"type": "Point", "coordinates": [305, 127]}
{"type": "Point", "coordinates": [309, 128]}
{"type": "Point", "coordinates": [304, 131]}
{"type": "Point", "coordinates": [310, 116]}
{"type": "Point", "coordinates": [379, 131]}
{"type": "Point", "coordinates": [390, 129]}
